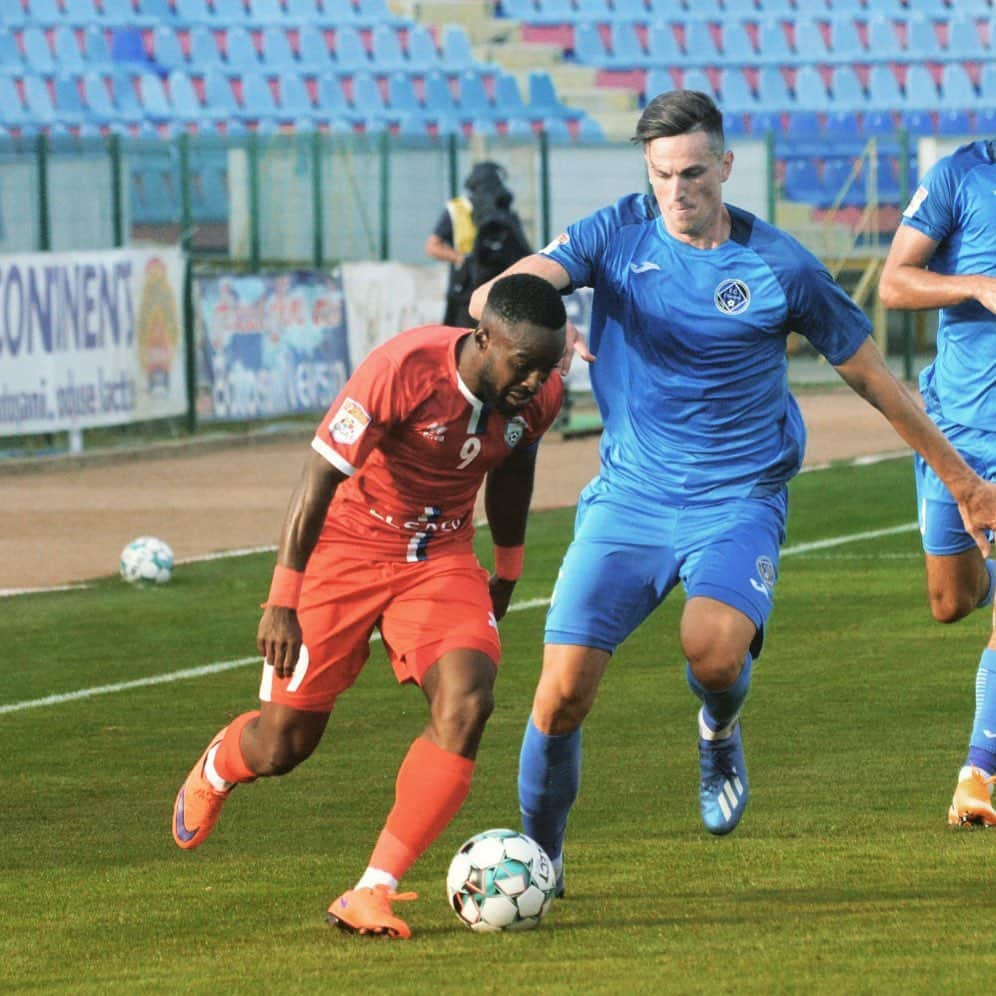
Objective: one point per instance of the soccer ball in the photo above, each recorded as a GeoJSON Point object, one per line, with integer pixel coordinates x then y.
{"type": "Point", "coordinates": [501, 880]}
{"type": "Point", "coordinates": [147, 559]}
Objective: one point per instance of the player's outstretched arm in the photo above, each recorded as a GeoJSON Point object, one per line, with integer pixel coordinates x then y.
{"type": "Point", "coordinates": [278, 637]}
{"type": "Point", "coordinates": [507, 492]}
{"type": "Point", "coordinates": [906, 284]}
{"type": "Point", "coordinates": [867, 374]}
{"type": "Point", "coordinates": [537, 264]}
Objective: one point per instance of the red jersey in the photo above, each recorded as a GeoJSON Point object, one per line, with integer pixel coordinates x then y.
{"type": "Point", "coordinates": [416, 445]}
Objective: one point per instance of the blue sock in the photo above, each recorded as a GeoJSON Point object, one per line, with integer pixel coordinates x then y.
{"type": "Point", "coordinates": [987, 599]}
{"type": "Point", "coordinates": [982, 747]}
{"type": "Point", "coordinates": [549, 777]}
{"type": "Point", "coordinates": [722, 707]}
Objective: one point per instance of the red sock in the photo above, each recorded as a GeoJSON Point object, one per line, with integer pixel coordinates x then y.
{"type": "Point", "coordinates": [431, 787]}
{"type": "Point", "coordinates": [228, 761]}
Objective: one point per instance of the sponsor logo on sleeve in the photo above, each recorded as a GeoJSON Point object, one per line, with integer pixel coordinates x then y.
{"type": "Point", "coordinates": [350, 422]}
{"type": "Point", "coordinates": [560, 240]}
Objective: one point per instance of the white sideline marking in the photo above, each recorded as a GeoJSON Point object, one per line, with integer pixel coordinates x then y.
{"type": "Point", "coordinates": [850, 538]}
{"type": "Point", "coordinates": [190, 672]}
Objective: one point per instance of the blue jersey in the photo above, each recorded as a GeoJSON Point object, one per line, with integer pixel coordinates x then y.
{"type": "Point", "coordinates": [955, 206]}
{"type": "Point", "coordinates": [691, 372]}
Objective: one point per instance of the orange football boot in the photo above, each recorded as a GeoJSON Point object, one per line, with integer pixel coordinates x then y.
{"type": "Point", "coordinates": [368, 911]}
{"type": "Point", "coordinates": [198, 804]}
{"type": "Point", "coordinates": [972, 804]}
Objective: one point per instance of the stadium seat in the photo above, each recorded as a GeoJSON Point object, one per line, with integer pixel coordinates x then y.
{"type": "Point", "coordinates": [302, 13]}
{"type": "Point", "coordinates": [473, 101]}
{"type": "Point", "coordinates": [423, 56]}
{"type": "Point", "coordinates": [97, 98]}
{"type": "Point", "coordinates": [519, 10]}
{"type": "Point", "coordinates": [37, 51]}
{"type": "Point", "coordinates": [38, 99]}
{"type": "Point", "coordinates": [838, 183]}
{"type": "Point", "coordinates": [556, 130]}
{"type": "Point", "coordinates": [738, 46]}
{"type": "Point", "coordinates": [295, 100]}
{"type": "Point", "coordinates": [626, 50]}
{"type": "Point", "coordinates": [203, 48]}
{"type": "Point", "coordinates": [846, 92]}
{"type": "Point", "coordinates": [96, 47]}
{"type": "Point", "coordinates": [964, 40]}
{"type": "Point", "coordinates": [508, 97]}
{"type": "Point", "coordinates": [553, 12]}
{"type": "Point", "coordinates": [809, 45]}
{"type": "Point", "coordinates": [843, 128]}
{"type": "Point", "coordinates": [883, 41]}
{"type": "Point", "coordinates": [277, 53]}
{"type": "Point", "coordinates": [166, 49]}
{"type": "Point", "coordinates": [918, 122]}
{"type": "Point", "coordinates": [66, 50]}
{"type": "Point", "coordinates": [12, 14]}
{"type": "Point", "coordinates": [44, 13]}
{"type": "Point", "coordinates": [631, 10]}
{"type": "Point", "coordinates": [922, 42]}
{"type": "Point", "coordinates": [804, 127]}
{"type": "Point", "coordinates": [78, 14]}
{"type": "Point", "coordinates": [331, 99]}
{"type": "Point", "coordinates": [543, 97]}
{"type": "Point", "coordinates": [957, 89]}
{"type": "Point", "coordinates": [955, 122]}
{"type": "Point", "coordinates": [987, 89]}
{"type": "Point", "coordinates": [699, 45]}
{"type": "Point", "coordinates": [598, 11]}
{"type": "Point", "coordinates": [884, 91]}
{"type": "Point", "coordinates": [658, 80]}
{"type": "Point", "coordinates": [266, 13]}
{"type": "Point", "coordinates": [920, 91]}
{"type": "Point", "coordinates": [337, 13]}
{"type": "Point", "coordinates": [152, 93]}
{"type": "Point", "coordinates": [350, 52]}
{"type": "Point", "coordinates": [880, 123]}
{"type": "Point", "coordinates": [736, 94]}
{"type": "Point", "coordinates": [772, 89]}
{"type": "Point", "coordinates": [10, 54]}
{"type": "Point", "coordinates": [312, 52]}
{"type": "Point", "coordinates": [845, 40]}
{"type": "Point", "coordinates": [228, 14]}
{"type": "Point", "coordinates": [386, 50]}
{"type": "Point", "coordinates": [192, 12]}
{"type": "Point", "coordinates": [519, 128]}
{"type": "Point", "coordinates": [368, 102]}
{"type": "Point", "coordinates": [403, 101]}
{"type": "Point", "coordinates": [372, 12]}
{"type": "Point", "coordinates": [258, 101]}
{"type": "Point", "coordinates": [589, 48]}
{"type": "Point", "coordinates": [773, 45]}
{"type": "Point", "coordinates": [590, 130]}
{"type": "Point", "coordinates": [802, 181]}
{"type": "Point", "coordinates": [438, 98]}
{"type": "Point", "coordinates": [985, 120]}
{"type": "Point", "coordinates": [694, 78]}
{"type": "Point", "coordinates": [219, 98]}
{"type": "Point", "coordinates": [739, 9]}
{"type": "Point", "coordinates": [662, 44]}
{"type": "Point", "coordinates": [183, 98]}
{"type": "Point", "coordinates": [128, 47]}
{"type": "Point", "coordinates": [456, 52]}
{"type": "Point", "coordinates": [68, 102]}
{"type": "Point", "coordinates": [240, 50]}
{"type": "Point", "coordinates": [810, 91]}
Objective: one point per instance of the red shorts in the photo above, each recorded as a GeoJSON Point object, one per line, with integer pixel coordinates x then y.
{"type": "Point", "coordinates": [423, 610]}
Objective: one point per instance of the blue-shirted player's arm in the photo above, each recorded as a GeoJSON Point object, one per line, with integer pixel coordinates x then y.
{"type": "Point", "coordinates": [867, 374]}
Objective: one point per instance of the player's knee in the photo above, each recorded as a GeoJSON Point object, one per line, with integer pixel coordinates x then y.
{"type": "Point", "coordinates": [459, 717]}
{"type": "Point", "coordinates": [715, 668]}
{"type": "Point", "coordinates": [949, 605]}
{"type": "Point", "coordinates": [281, 755]}
{"type": "Point", "coordinates": [560, 712]}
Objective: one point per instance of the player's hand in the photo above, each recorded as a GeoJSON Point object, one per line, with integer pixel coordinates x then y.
{"type": "Point", "coordinates": [978, 513]}
{"type": "Point", "coordinates": [575, 343]}
{"type": "Point", "coordinates": [987, 293]}
{"type": "Point", "coordinates": [278, 639]}
{"type": "Point", "coordinates": [501, 594]}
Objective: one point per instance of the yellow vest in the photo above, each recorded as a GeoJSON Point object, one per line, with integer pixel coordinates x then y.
{"type": "Point", "coordinates": [464, 230]}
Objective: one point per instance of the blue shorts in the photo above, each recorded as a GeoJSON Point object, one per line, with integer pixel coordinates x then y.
{"type": "Point", "coordinates": [626, 557]}
{"type": "Point", "coordinates": [941, 528]}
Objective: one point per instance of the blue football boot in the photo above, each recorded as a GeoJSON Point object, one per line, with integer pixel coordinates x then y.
{"type": "Point", "coordinates": [723, 791]}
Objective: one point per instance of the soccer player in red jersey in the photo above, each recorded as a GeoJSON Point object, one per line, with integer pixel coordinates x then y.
{"type": "Point", "coordinates": [378, 535]}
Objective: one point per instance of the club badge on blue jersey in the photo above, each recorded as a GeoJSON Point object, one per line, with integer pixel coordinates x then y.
{"type": "Point", "coordinates": [732, 297]}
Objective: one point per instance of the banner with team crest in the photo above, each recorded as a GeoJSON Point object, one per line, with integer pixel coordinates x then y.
{"type": "Point", "coordinates": [90, 339]}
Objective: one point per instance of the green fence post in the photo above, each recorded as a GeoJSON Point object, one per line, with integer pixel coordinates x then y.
{"type": "Point", "coordinates": [252, 154]}
{"type": "Point", "coordinates": [183, 147]}
{"type": "Point", "coordinates": [544, 150]}
{"type": "Point", "coordinates": [317, 228]}
{"type": "Point", "coordinates": [453, 163]}
{"type": "Point", "coordinates": [385, 195]}
{"type": "Point", "coordinates": [117, 207]}
{"type": "Point", "coordinates": [44, 220]}
{"type": "Point", "coordinates": [769, 146]}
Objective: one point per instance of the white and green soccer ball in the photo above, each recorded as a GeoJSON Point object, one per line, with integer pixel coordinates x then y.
{"type": "Point", "coordinates": [501, 880]}
{"type": "Point", "coordinates": [147, 559]}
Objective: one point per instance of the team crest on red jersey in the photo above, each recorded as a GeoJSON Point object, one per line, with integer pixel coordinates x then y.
{"type": "Point", "coordinates": [350, 421]}
{"type": "Point", "coordinates": [514, 428]}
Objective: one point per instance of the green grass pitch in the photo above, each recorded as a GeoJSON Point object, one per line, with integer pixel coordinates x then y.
{"type": "Point", "coordinates": [842, 878]}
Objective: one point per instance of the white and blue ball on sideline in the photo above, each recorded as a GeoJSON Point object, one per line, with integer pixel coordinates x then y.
{"type": "Point", "coordinates": [147, 559]}
{"type": "Point", "coordinates": [500, 880]}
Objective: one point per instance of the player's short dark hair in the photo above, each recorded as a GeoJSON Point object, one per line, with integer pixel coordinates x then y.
{"type": "Point", "coordinates": [677, 112]}
{"type": "Point", "coordinates": [524, 297]}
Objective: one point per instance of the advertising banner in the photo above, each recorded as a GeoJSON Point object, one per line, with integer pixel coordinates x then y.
{"type": "Point", "coordinates": [90, 339]}
{"type": "Point", "coordinates": [269, 344]}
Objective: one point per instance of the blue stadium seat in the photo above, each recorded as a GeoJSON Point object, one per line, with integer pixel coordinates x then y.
{"type": "Point", "coordinates": [740, 9]}
{"type": "Point", "coordinates": [921, 38]}
{"type": "Point", "coordinates": [809, 90]}
{"type": "Point", "coordinates": [694, 78]}
{"type": "Point", "coordinates": [386, 50]}
{"type": "Point", "coordinates": [191, 12]}
{"type": "Point", "coordinates": [128, 47]}
{"type": "Point", "coordinates": [331, 98]}
{"type": "Point", "coordinates": [240, 50]}
{"type": "Point", "coordinates": [438, 97]}
{"type": "Point", "coordinates": [738, 47]}
{"type": "Point", "coordinates": [338, 13]}
{"type": "Point", "coordinates": [302, 13]}
{"type": "Point", "coordinates": [802, 181]}
{"type": "Point", "coordinates": [148, 13]}
{"type": "Point", "coordinates": [508, 97]}
{"type": "Point", "coordinates": [295, 100]}
{"type": "Point", "coordinates": [772, 43]}
{"type": "Point", "coordinates": [166, 48]}
{"type": "Point", "coordinates": [659, 80]}
{"type": "Point", "coordinates": [955, 122]}
{"type": "Point", "coordinates": [78, 14]}
{"type": "Point", "coordinates": [44, 13]}
{"type": "Point", "coordinates": [631, 10]}
{"type": "Point", "coordinates": [128, 107]}
{"type": "Point", "coordinates": [519, 128]}
{"type": "Point", "coordinates": [98, 51]}
{"type": "Point", "coordinates": [278, 55]}
{"type": "Point", "coordinates": [883, 41]}
{"type": "Point", "coordinates": [735, 125]}
{"type": "Point", "coordinates": [838, 183]}
{"type": "Point", "coordinates": [423, 56]}
{"type": "Point", "coordinates": [553, 12]}
{"type": "Point", "coordinates": [964, 40]}
{"type": "Point", "coordinates": [736, 94]}
{"type": "Point", "coordinates": [957, 89]}
{"type": "Point", "coordinates": [809, 45]}
{"type": "Point", "coordinates": [456, 52]}
{"type": "Point", "coordinates": [152, 93]}
{"type": "Point", "coordinates": [368, 102]}
{"type": "Point", "coordinates": [372, 12]}
{"type": "Point", "coordinates": [228, 14]}
{"type": "Point", "coordinates": [68, 102]}
{"type": "Point", "coordinates": [269, 12]}
{"type": "Point", "coordinates": [884, 91]}
{"type": "Point", "coordinates": [350, 52]}
{"type": "Point", "coordinates": [590, 130]}
{"type": "Point", "coordinates": [313, 53]}
{"type": "Point", "coordinates": [37, 52]}
{"type": "Point", "coordinates": [594, 10]}
{"type": "Point", "coordinates": [543, 97]}
{"type": "Point", "coordinates": [219, 98]}
{"type": "Point", "coordinates": [12, 14]}
{"type": "Point", "coordinates": [804, 127]}
{"type": "Point", "coordinates": [846, 91]}
{"type": "Point", "coordinates": [987, 89]}
{"type": "Point", "coordinates": [845, 40]}
{"type": "Point", "coordinates": [556, 130]}
{"type": "Point", "coordinates": [772, 89]}
{"type": "Point", "coordinates": [185, 104]}
{"type": "Point", "coordinates": [66, 50]}
{"type": "Point", "coordinates": [985, 120]}
{"type": "Point", "coordinates": [474, 102]}
{"type": "Point", "coordinates": [519, 10]}
{"type": "Point", "coordinates": [920, 92]}
{"type": "Point", "coordinates": [887, 179]}
{"type": "Point", "coordinates": [589, 49]}
{"type": "Point", "coordinates": [918, 122]}
{"type": "Point", "coordinates": [402, 99]}
{"type": "Point", "coordinates": [880, 123]}
{"type": "Point", "coordinates": [10, 54]}
{"type": "Point", "coordinates": [627, 50]}
{"type": "Point", "coordinates": [843, 128]}
{"type": "Point", "coordinates": [258, 101]}
{"type": "Point", "coordinates": [203, 48]}
{"type": "Point", "coordinates": [699, 45]}
{"type": "Point", "coordinates": [662, 44]}
{"type": "Point", "coordinates": [97, 98]}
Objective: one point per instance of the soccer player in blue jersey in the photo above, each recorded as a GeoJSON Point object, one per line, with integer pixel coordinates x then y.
{"type": "Point", "coordinates": [944, 256]}
{"type": "Point", "coordinates": [693, 301]}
